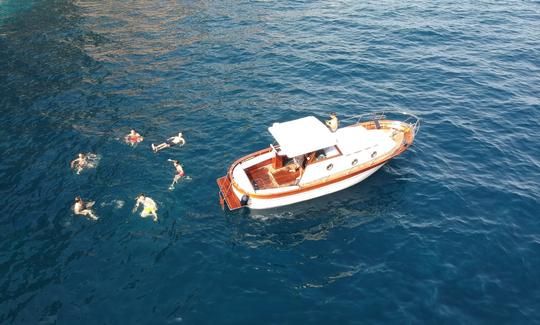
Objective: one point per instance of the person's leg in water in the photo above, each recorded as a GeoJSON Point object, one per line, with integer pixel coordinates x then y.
{"type": "Point", "coordinates": [160, 146]}
{"type": "Point", "coordinates": [176, 178]}
{"type": "Point", "coordinates": [89, 213]}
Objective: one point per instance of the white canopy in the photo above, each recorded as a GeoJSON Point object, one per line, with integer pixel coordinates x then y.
{"type": "Point", "coordinates": [301, 136]}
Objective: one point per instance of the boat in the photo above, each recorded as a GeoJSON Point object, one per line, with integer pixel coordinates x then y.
{"type": "Point", "coordinates": [308, 160]}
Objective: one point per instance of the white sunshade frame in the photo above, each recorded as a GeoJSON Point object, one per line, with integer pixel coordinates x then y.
{"type": "Point", "coordinates": [301, 136]}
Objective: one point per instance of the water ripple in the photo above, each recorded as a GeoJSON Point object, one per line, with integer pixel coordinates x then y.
{"type": "Point", "coordinates": [447, 232]}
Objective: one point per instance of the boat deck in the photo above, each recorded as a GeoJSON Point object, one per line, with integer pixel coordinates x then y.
{"type": "Point", "coordinates": [264, 176]}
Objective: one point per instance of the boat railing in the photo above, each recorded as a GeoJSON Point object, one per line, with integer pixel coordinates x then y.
{"type": "Point", "coordinates": [404, 117]}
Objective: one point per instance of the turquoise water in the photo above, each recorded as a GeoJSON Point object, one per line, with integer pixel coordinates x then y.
{"type": "Point", "coordinates": [448, 232]}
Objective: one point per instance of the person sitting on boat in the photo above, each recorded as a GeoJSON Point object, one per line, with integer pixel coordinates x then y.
{"type": "Point", "coordinates": [179, 172]}
{"type": "Point", "coordinates": [84, 208]}
{"type": "Point", "coordinates": [133, 138]}
{"type": "Point", "coordinates": [300, 163]}
{"type": "Point", "coordinates": [333, 122]}
{"type": "Point", "coordinates": [149, 207]}
{"type": "Point", "coordinates": [172, 141]}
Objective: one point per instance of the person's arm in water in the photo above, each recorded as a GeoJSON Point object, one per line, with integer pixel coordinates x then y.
{"type": "Point", "coordinates": [72, 164]}
{"type": "Point", "coordinates": [136, 205]}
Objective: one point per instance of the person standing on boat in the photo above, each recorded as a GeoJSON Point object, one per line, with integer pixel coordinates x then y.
{"type": "Point", "coordinates": [84, 208]}
{"type": "Point", "coordinates": [133, 138]}
{"type": "Point", "coordinates": [333, 122]}
{"type": "Point", "coordinates": [149, 207]}
{"type": "Point", "coordinates": [179, 173]}
{"type": "Point", "coordinates": [172, 141]}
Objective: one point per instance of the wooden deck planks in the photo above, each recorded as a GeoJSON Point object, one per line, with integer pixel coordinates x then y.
{"type": "Point", "coordinates": [227, 192]}
{"type": "Point", "coordinates": [265, 177]}
{"type": "Point", "coordinates": [285, 176]}
{"type": "Point", "coordinates": [261, 178]}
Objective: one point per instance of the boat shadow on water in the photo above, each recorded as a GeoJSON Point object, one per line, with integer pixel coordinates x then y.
{"type": "Point", "coordinates": [313, 220]}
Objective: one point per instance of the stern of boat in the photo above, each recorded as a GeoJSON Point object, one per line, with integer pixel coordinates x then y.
{"type": "Point", "coordinates": [227, 194]}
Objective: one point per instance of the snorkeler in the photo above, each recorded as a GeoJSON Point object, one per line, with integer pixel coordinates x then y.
{"type": "Point", "coordinates": [172, 141]}
{"type": "Point", "coordinates": [149, 207]}
{"type": "Point", "coordinates": [84, 208]}
{"type": "Point", "coordinates": [80, 162]}
{"type": "Point", "coordinates": [83, 161]}
{"type": "Point", "coordinates": [179, 173]}
{"type": "Point", "coordinates": [133, 138]}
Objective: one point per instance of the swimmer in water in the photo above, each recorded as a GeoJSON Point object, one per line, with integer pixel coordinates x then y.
{"type": "Point", "coordinates": [80, 163]}
{"type": "Point", "coordinates": [84, 208]}
{"type": "Point", "coordinates": [179, 173]}
{"type": "Point", "coordinates": [149, 207]}
{"type": "Point", "coordinates": [84, 161]}
{"type": "Point", "coordinates": [177, 140]}
{"type": "Point", "coordinates": [133, 138]}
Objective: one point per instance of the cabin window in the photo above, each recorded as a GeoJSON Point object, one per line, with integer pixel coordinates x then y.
{"type": "Point", "coordinates": [320, 155]}
{"type": "Point", "coordinates": [323, 154]}
{"type": "Point", "coordinates": [331, 151]}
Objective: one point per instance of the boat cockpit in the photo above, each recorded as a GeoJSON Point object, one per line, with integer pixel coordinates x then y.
{"type": "Point", "coordinates": [281, 171]}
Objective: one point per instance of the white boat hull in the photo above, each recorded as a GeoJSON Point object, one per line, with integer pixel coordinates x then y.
{"type": "Point", "coordinates": [268, 203]}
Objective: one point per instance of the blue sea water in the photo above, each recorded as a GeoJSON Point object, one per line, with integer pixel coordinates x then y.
{"type": "Point", "coordinates": [446, 233]}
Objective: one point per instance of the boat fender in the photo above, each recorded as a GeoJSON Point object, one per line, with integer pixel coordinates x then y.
{"type": "Point", "coordinates": [244, 200]}
{"type": "Point", "coordinates": [377, 124]}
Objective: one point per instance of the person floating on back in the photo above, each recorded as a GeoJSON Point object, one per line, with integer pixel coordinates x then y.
{"type": "Point", "coordinates": [333, 122]}
{"type": "Point", "coordinates": [84, 161]}
{"type": "Point", "coordinates": [84, 208]}
{"type": "Point", "coordinates": [179, 173]}
{"type": "Point", "coordinates": [177, 140]}
{"type": "Point", "coordinates": [133, 138]}
{"type": "Point", "coordinates": [149, 207]}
